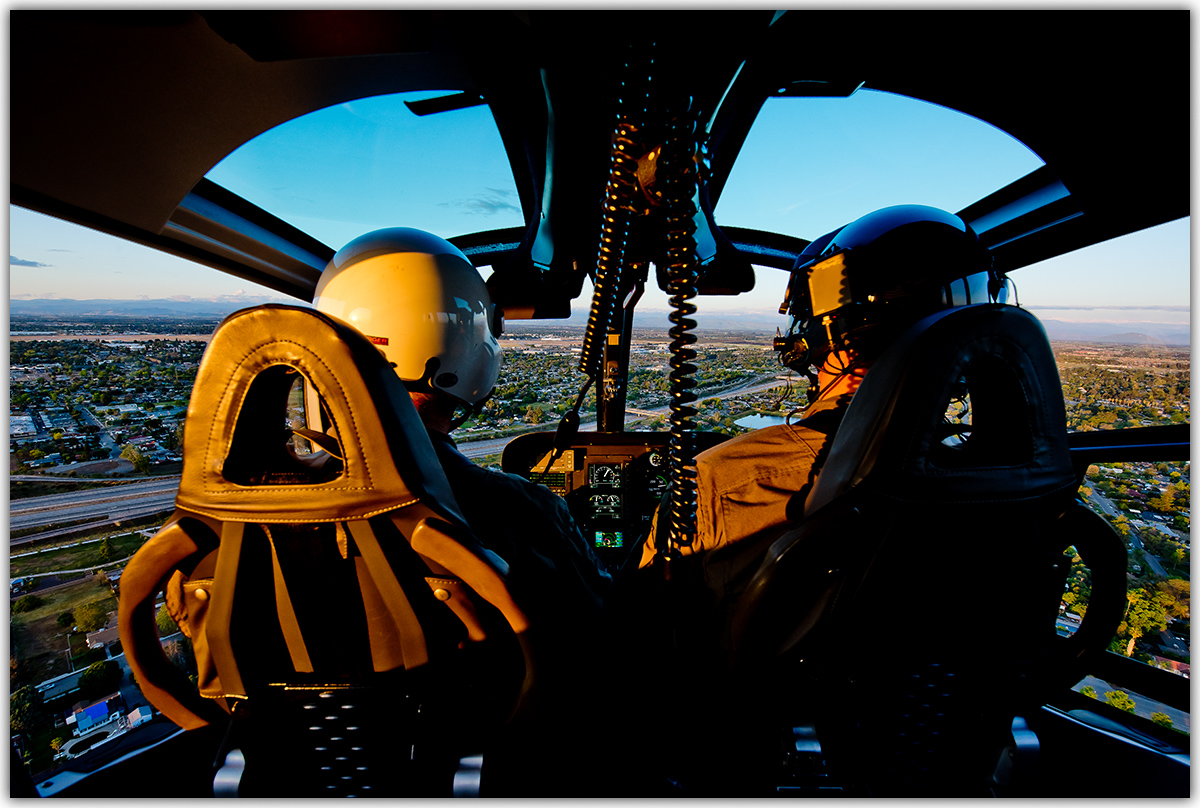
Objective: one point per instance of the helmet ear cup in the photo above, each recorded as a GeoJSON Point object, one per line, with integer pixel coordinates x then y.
{"type": "Point", "coordinates": [423, 304]}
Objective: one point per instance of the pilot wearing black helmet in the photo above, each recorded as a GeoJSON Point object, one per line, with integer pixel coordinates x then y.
{"type": "Point", "coordinates": [851, 293]}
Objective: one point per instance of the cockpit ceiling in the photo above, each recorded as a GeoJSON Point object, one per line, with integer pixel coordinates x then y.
{"type": "Point", "coordinates": [115, 117]}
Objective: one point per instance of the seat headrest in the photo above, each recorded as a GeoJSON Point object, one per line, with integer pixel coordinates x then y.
{"type": "Point", "coordinates": [236, 466]}
{"type": "Point", "coordinates": [895, 426]}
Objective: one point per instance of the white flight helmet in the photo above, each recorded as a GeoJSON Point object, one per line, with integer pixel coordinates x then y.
{"type": "Point", "coordinates": [419, 299]}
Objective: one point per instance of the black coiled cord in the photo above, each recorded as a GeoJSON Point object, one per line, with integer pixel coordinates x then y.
{"type": "Point", "coordinates": [614, 234]}
{"type": "Point", "coordinates": [681, 180]}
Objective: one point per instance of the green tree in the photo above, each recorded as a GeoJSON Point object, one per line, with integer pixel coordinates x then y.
{"type": "Point", "coordinates": [27, 603]}
{"type": "Point", "coordinates": [534, 414]}
{"type": "Point", "coordinates": [1162, 719]}
{"type": "Point", "coordinates": [166, 625]}
{"type": "Point", "coordinates": [141, 463]}
{"type": "Point", "coordinates": [1164, 503]}
{"type": "Point", "coordinates": [1120, 699]}
{"type": "Point", "coordinates": [65, 619]}
{"type": "Point", "coordinates": [25, 709]}
{"type": "Point", "coordinates": [101, 678]}
{"type": "Point", "coordinates": [1180, 594]}
{"type": "Point", "coordinates": [1147, 612]}
{"type": "Point", "coordinates": [90, 617]}
{"type": "Point", "coordinates": [181, 655]}
{"type": "Point", "coordinates": [105, 549]}
{"type": "Point", "coordinates": [1089, 691]}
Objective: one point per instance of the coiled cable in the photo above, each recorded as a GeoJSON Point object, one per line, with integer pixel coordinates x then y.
{"type": "Point", "coordinates": [614, 233]}
{"type": "Point", "coordinates": [681, 180]}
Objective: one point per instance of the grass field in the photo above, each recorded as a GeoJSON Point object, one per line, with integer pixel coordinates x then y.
{"type": "Point", "coordinates": [484, 462]}
{"type": "Point", "coordinates": [74, 556]}
{"type": "Point", "coordinates": [39, 643]}
{"type": "Point", "coordinates": [20, 489]}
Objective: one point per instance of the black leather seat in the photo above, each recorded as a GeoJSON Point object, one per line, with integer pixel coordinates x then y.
{"type": "Point", "coordinates": [909, 621]}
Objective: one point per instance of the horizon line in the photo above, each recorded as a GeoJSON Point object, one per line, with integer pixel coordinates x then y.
{"type": "Point", "coordinates": [25, 297]}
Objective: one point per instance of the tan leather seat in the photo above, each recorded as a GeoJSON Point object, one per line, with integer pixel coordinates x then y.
{"type": "Point", "coordinates": [338, 605]}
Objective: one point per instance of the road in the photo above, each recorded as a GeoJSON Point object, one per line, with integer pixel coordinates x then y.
{"type": "Point", "coordinates": [1135, 540]}
{"type": "Point", "coordinates": [46, 478]}
{"type": "Point", "coordinates": [114, 450]}
{"type": "Point", "coordinates": [111, 503]}
{"type": "Point", "coordinates": [1146, 706]}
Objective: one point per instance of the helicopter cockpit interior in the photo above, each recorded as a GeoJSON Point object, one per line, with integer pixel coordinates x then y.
{"type": "Point", "coordinates": [621, 132]}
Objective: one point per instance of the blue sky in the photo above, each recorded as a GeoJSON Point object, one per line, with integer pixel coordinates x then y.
{"type": "Point", "coordinates": [808, 166]}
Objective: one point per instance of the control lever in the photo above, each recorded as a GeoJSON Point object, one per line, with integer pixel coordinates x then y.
{"type": "Point", "coordinates": [568, 428]}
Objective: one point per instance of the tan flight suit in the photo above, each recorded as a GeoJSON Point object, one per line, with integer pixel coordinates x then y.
{"type": "Point", "coordinates": [751, 489]}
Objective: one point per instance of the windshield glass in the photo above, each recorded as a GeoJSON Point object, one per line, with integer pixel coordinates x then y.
{"type": "Point", "coordinates": [812, 164]}
{"type": "Point", "coordinates": [380, 165]}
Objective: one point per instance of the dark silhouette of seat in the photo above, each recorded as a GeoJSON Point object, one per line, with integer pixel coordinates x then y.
{"type": "Point", "coordinates": [908, 623]}
{"type": "Point", "coordinates": [339, 607]}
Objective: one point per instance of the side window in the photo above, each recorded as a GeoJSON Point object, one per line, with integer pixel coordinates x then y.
{"type": "Point", "coordinates": [1124, 361]}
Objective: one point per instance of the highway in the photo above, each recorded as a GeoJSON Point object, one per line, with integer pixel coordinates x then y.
{"type": "Point", "coordinates": [100, 506]}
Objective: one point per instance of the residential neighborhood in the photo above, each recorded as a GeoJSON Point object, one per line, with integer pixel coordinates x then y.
{"type": "Point", "coordinates": [93, 410]}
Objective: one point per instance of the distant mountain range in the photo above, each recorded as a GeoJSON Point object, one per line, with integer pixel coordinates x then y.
{"type": "Point", "coordinates": [1130, 333]}
{"type": "Point", "coordinates": [59, 307]}
{"type": "Point", "coordinates": [1120, 333]}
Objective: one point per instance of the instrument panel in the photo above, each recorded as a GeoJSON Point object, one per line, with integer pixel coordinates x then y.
{"type": "Point", "coordinates": [612, 481]}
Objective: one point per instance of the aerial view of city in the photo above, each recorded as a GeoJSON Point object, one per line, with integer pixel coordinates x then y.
{"type": "Point", "coordinates": [96, 421]}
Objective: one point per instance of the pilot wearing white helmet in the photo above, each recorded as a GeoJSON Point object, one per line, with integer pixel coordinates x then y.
{"type": "Point", "coordinates": [422, 303]}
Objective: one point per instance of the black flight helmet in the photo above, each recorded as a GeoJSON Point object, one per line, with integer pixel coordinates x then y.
{"type": "Point", "coordinates": [859, 286]}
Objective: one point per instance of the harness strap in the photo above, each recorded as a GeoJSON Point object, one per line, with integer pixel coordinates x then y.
{"type": "Point", "coordinates": [389, 612]}
{"type": "Point", "coordinates": [327, 442]}
{"type": "Point", "coordinates": [433, 539]}
{"type": "Point", "coordinates": [220, 613]}
{"type": "Point", "coordinates": [287, 614]}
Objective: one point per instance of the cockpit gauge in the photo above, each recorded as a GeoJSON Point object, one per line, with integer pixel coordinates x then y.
{"type": "Point", "coordinates": [606, 505]}
{"type": "Point", "coordinates": [604, 475]}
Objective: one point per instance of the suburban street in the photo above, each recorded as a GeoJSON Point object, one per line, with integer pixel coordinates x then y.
{"type": "Point", "coordinates": [1145, 706]}
{"type": "Point", "coordinates": [1153, 562]}
{"type": "Point", "coordinates": [114, 450]}
{"type": "Point", "coordinates": [1135, 541]}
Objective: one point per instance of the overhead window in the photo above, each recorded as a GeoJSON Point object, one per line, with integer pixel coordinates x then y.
{"type": "Point", "coordinates": [810, 165]}
{"type": "Point", "coordinates": [348, 169]}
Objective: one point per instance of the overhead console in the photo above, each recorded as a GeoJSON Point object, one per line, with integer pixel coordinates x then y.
{"type": "Point", "coordinates": [612, 481]}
